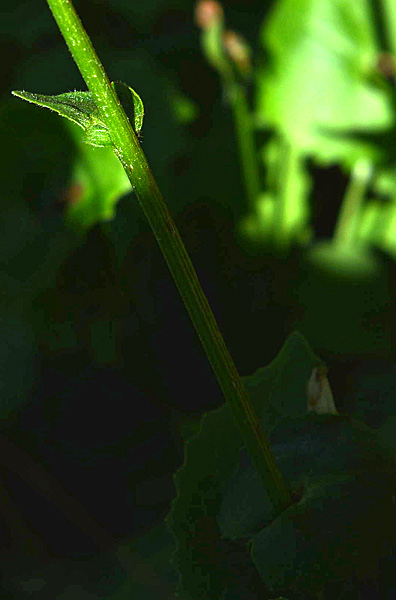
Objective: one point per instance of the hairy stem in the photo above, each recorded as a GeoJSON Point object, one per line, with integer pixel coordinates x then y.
{"type": "Point", "coordinates": [135, 164]}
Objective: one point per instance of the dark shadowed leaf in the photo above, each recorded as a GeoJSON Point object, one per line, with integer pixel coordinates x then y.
{"type": "Point", "coordinates": [208, 564]}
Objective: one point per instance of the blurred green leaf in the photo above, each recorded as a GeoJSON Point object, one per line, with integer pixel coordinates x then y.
{"type": "Point", "coordinates": [184, 109]}
{"type": "Point", "coordinates": [356, 262]}
{"type": "Point", "coordinates": [321, 83]}
{"type": "Point", "coordinates": [288, 186]}
{"type": "Point", "coordinates": [97, 183]}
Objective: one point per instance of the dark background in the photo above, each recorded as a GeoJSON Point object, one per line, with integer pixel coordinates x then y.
{"type": "Point", "coordinates": [99, 362]}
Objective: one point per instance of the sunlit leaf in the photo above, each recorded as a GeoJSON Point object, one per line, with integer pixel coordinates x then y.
{"type": "Point", "coordinates": [97, 183]}
{"type": "Point", "coordinates": [321, 82]}
{"type": "Point", "coordinates": [81, 109]}
{"type": "Point", "coordinates": [78, 107]}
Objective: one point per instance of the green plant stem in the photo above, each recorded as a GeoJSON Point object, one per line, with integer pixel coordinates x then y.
{"type": "Point", "coordinates": [389, 17]}
{"type": "Point", "coordinates": [247, 150]}
{"type": "Point", "coordinates": [347, 227]}
{"type": "Point", "coordinates": [235, 92]}
{"type": "Point", "coordinates": [287, 196]}
{"type": "Point", "coordinates": [135, 164]}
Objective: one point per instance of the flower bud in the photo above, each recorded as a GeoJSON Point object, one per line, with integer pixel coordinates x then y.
{"type": "Point", "coordinates": [238, 51]}
{"type": "Point", "coordinates": [386, 65]}
{"type": "Point", "coordinates": [207, 12]}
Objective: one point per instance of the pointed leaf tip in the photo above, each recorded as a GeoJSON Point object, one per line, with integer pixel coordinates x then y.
{"type": "Point", "coordinates": [81, 108]}
{"type": "Point", "coordinates": [131, 103]}
{"type": "Point", "coordinates": [78, 107]}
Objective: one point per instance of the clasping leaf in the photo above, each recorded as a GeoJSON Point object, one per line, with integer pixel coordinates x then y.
{"type": "Point", "coordinates": [81, 108]}
{"type": "Point", "coordinates": [131, 103]}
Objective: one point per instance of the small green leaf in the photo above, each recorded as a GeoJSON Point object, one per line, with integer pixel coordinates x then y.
{"type": "Point", "coordinates": [78, 107]}
{"type": "Point", "coordinates": [97, 182]}
{"type": "Point", "coordinates": [81, 108]}
{"type": "Point", "coordinates": [131, 103]}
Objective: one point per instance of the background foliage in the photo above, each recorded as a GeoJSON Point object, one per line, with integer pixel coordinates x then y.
{"type": "Point", "coordinates": [101, 372]}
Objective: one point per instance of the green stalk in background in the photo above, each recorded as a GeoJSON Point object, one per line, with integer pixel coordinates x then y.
{"type": "Point", "coordinates": [290, 212]}
{"type": "Point", "coordinates": [129, 152]}
{"type": "Point", "coordinates": [247, 151]}
{"type": "Point", "coordinates": [389, 19]}
{"type": "Point", "coordinates": [227, 52]}
{"type": "Point", "coordinates": [347, 228]}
